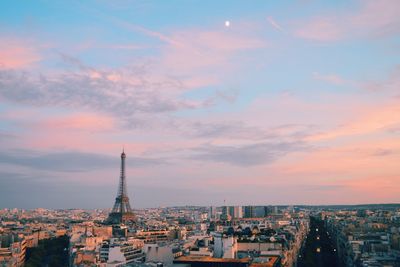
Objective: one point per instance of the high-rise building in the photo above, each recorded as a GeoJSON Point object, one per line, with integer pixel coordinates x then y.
{"type": "Point", "coordinates": [212, 213]}
{"type": "Point", "coordinates": [259, 211]}
{"type": "Point", "coordinates": [231, 211]}
{"type": "Point", "coordinates": [238, 212]}
{"type": "Point", "coordinates": [249, 212]}
{"type": "Point", "coordinates": [225, 213]}
{"type": "Point", "coordinates": [235, 212]}
{"type": "Point", "coordinates": [121, 212]}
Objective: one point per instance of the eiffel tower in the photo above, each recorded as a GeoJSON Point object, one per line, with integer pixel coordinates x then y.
{"type": "Point", "coordinates": [121, 212]}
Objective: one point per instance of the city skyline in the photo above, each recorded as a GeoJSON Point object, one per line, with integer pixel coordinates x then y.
{"type": "Point", "coordinates": [288, 103]}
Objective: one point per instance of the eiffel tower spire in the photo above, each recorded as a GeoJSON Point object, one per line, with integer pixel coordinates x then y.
{"type": "Point", "coordinates": [122, 211]}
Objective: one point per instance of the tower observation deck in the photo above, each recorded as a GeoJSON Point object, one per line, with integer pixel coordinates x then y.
{"type": "Point", "coordinates": [122, 211]}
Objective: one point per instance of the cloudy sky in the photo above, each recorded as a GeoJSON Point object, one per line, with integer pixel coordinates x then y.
{"type": "Point", "coordinates": [273, 102]}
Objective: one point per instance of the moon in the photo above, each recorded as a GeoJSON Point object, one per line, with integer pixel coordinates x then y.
{"type": "Point", "coordinates": [227, 23]}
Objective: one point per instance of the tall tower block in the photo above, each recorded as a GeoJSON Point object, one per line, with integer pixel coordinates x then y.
{"type": "Point", "coordinates": [122, 211]}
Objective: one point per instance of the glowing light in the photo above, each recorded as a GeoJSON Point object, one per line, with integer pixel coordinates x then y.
{"type": "Point", "coordinates": [227, 23]}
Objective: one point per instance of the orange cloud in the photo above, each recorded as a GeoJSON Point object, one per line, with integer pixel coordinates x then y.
{"type": "Point", "coordinates": [373, 120]}
{"type": "Point", "coordinates": [341, 162]}
{"type": "Point", "coordinates": [384, 187]}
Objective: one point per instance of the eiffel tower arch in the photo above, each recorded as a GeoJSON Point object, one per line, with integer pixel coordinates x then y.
{"type": "Point", "coordinates": [122, 212]}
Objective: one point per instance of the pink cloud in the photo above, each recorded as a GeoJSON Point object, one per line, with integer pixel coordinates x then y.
{"type": "Point", "coordinates": [138, 28]}
{"type": "Point", "coordinates": [17, 54]}
{"type": "Point", "coordinates": [196, 56]}
{"type": "Point", "coordinates": [379, 119]}
{"type": "Point", "coordinates": [294, 109]}
{"type": "Point", "coordinates": [188, 50]}
{"type": "Point", "coordinates": [76, 140]}
{"type": "Point", "coordinates": [320, 29]}
{"type": "Point", "coordinates": [381, 17]}
{"type": "Point", "coordinates": [352, 172]}
{"type": "Point", "coordinates": [371, 19]}
{"type": "Point", "coordinates": [346, 160]}
{"type": "Point", "coordinates": [390, 84]}
{"type": "Point", "coordinates": [82, 121]}
{"type": "Point", "coordinates": [125, 46]}
{"type": "Point", "coordinates": [384, 188]}
{"type": "Point", "coordinates": [200, 50]}
{"type": "Point", "coordinates": [42, 120]}
{"type": "Point", "coordinates": [87, 132]}
{"type": "Point", "coordinates": [330, 78]}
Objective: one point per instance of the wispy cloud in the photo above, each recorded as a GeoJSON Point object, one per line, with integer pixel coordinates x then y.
{"type": "Point", "coordinates": [124, 93]}
{"type": "Point", "coordinates": [132, 27]}
{"type": "Point", "coordinates": [79, 121]}
{"type": "Point", "coordinates": [200, 104]}
{"type": "Point", "coordinates": [330, 78]}
{"type": "Point", "coordinates": [240, 130]}
{"type": "Point", "coordinates": [390, 84]}
{"type": "Point", "coordinates": [148, 32]}
{"type": "Point", "coordinates": [204, 51]}
{"type": "Point", "coordinates": [15, 54]}
{"type": "Point", "coordinates": [247, 155]}
{"type": "Point", "coordinates": [378, 120]}
{"type": "Point", "coordinates": [67, 161]}
{"type": "Point", "coordinates": [370, 19]}
{"type": "Point", "coordinates": [274, 24]}
{"type": "Point", "coordinates": [320, 29]}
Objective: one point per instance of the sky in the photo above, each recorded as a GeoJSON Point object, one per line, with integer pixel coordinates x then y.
{"type": "Point", "coordinates": [261, 102]}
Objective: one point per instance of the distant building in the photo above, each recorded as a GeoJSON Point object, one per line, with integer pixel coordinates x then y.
{"type": "Point", "coordinates": [225, 214]}
{"type": "Point", "coordinates": [237, 212]}
{"type": "Point", "coordinates": [213, 213]}
{"type": "Point", "coordinates": [249, 212]}
{"type": "Point", "coordinates": [259, 212]}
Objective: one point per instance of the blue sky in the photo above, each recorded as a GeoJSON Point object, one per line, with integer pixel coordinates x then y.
{"type": "Point", "coordinates": [293, 102]}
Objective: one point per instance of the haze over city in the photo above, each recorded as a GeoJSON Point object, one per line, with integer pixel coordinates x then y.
{"type": "Point", "coordinates": [270, 102]}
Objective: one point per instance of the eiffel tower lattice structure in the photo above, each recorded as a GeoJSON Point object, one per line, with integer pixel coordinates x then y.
{"type": "Point", "coordinates": [122, 212]}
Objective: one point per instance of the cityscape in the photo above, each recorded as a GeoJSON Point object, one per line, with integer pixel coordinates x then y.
{"type": "Point", "coordinates": [200, 133]}
{"type": "Point", "coordinates": [248, 236]}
